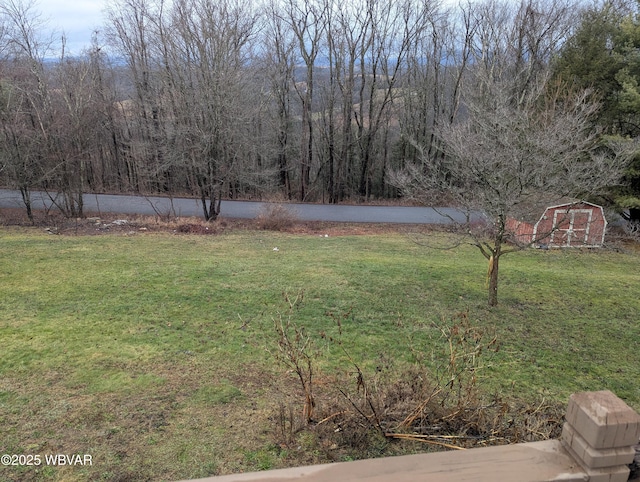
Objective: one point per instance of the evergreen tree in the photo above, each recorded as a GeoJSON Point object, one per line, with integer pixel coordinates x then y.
{"type": "Point", "coordinates": [604, 55]}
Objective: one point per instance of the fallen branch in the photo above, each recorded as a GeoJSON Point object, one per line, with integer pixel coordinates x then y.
{"type": "Point", "coordinates": [422, 438]}
{"type": "Point", "coordinates": [326, 419]}
{"type": "Point", "coordinates": [407, 422]}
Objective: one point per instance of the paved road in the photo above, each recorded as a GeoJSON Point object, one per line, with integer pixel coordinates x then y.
{"type": "Point", "coordinates": [246, 209]}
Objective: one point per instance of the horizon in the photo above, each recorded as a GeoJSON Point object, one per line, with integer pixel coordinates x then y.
{"type": "Point", "coordinates": [77, 21]}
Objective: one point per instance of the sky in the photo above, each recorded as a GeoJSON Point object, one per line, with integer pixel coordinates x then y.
{"type": "Point", "coordinates": [76, 18]}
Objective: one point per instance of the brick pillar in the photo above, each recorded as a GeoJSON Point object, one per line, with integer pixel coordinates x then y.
{"type": "Point", "coordinates": [600, 432]}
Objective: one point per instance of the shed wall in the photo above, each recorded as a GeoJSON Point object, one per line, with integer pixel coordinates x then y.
{"type": "Point", "coordinates": [571, 225]}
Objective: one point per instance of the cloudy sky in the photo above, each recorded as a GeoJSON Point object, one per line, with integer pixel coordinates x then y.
{"type": "Point", "coordinates": [77, 18]}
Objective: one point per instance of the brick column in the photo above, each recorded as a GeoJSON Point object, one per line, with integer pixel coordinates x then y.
{"type": "Point", "coordinates": [600, 432]}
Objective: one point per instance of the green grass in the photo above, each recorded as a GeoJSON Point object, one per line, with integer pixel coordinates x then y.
{"type": "Point", "coordinates": [150, 352]}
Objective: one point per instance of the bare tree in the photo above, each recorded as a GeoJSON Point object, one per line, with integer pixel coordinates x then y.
{"type": "Point", "coordinates": [192, 119]}
{"type": "Point", "coordinates": [208, 87]}
{"type": "Point", "coordinates": [20, 161]}
{"type": "Point", "coordinates": [436, 68]}
{"type": "Point", "coordinates": [73, 138]}
{"type": "Point", "coordinates": [24, 31]}
{"type": "Point", "coordinates": [348, 34]}
{"type": "Point", "coordinates": [521, 142]}
{"type": "Point", "coordinates": [115, 170]}
{"type": "Point", "coordinates": [307, 21]}
{"type": "Point", "coordinates": [396, 26]}
{"type": "Point", "coordinates": [279, 62]}
{"type": "Point", "coordinates": [132, 31]}
{"type": "Point", "coordinates": [24, 96]}
{"type": "Point", "coordinates": [49, 111]}
{"type": "Point", "coordinates": [511, 158]}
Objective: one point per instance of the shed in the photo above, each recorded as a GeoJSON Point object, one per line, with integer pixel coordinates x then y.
{"type": "Point", "coordinates": [577, 224]}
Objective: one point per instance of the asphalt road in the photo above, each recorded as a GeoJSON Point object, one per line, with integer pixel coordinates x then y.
{"type": "Point", "coordinates": [100, 203]}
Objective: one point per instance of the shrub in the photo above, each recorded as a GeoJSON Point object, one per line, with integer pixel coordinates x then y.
{"type": "Point", "coordinates": [442, 407]}
{"type": "Point", "coordinates": [276, 217]}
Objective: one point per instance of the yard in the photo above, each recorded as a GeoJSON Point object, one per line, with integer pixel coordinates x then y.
{"type": "Point", "coordinates": [153, 352]}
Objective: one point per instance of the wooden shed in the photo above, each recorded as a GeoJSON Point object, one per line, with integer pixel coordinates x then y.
{"type": "Point", "coordinates": [579, 224]}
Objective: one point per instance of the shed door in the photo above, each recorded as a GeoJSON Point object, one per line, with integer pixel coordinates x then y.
{"type": "Point", "coordinates": [572, 227]}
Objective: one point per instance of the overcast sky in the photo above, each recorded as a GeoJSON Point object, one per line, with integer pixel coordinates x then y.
{"type": "Point", "coordinates": [77, 18]}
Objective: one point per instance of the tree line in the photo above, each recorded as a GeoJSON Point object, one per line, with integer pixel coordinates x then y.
{"type": "Point", "coordinates": [312, 100]}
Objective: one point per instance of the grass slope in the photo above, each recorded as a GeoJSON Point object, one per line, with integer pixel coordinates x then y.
{"type": "Point", "coordinates": [150, 352]}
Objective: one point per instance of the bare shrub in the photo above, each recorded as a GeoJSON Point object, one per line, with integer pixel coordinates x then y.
{"type": "Point", "coordinates": [632, 229]}
{"type": "Point", "coordinates": [443, 407]}
{"type": "Point", "coordinates": [287, 423]}
{"type": "Point", "coordinates": [295, 351]}
{"type": "Point", "coordinates": [276, 217]}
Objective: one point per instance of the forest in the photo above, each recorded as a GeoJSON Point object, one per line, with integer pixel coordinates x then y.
{"type": "Point", "coordinates": [308, 100]}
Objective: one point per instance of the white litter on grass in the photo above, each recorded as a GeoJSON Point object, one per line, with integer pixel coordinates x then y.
{"type": "Point", "coordinates": [276, 249]}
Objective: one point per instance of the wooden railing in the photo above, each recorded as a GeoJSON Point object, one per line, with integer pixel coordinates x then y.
{"type": "Point", "coordinates": [597, 445]}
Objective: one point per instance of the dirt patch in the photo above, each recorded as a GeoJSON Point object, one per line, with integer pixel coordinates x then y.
{"type": "Point", "coordinates": [129, 225]}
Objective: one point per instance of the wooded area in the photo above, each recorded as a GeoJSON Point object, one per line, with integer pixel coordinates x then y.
{"type": "Point", "coordinates": [313, 100]}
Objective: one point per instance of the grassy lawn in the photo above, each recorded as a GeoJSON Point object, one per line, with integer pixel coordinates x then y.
{"type": "Point", "coordinates": [150, 352]}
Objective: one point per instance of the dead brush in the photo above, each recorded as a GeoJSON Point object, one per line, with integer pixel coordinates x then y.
{"type": "Point", "coordinates": [444, 408]}
{"type": "Point", "coordinates": [276, 217]}
{"type": "Point", "coordinates": [196, 228]}
{"type": "Point", "coordinates": [295, 350]}
{"type": "Point", "coordinates": [363, 408]}
{"type": "Point", "coordinates": [287, 424]}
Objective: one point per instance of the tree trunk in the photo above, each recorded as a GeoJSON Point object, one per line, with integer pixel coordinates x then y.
{"type": "Point", "coordinates": [210, 207]}
{"type": "Point", "coordinates": [492, 275]}
{"type": "Point", "coordinates": [26, 199]}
